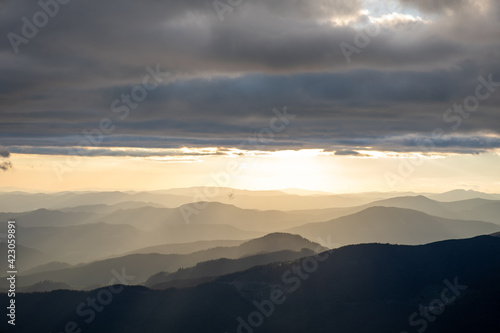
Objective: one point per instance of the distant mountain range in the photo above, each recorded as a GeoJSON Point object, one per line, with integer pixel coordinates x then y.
{"type": "Point", "coordinates": [392, 225]}
{"type": "Point", "coordinates": [457, 195]}
{"type": "Point", "coordinates": [89, 242]}
{"type": "Point", "coordinates": [64, 235]}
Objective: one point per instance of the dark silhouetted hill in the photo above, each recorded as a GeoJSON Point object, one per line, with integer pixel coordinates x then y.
{"type": "Point", "coordinates": [373, 288]}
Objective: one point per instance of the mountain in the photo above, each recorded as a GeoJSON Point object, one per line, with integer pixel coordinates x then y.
{"type": "Point", "coordinates": [420, 203]}
{"type": "Point", "coordinates": [48, 267]}
{"type": "Point", "coordinates": [471, 209]}
{"type": "Point", "coordinates": [150, 218]}
{"type": "Point", "coordinates": [298, 191]}
{"type": "Point", "coordinates": [446, 287]}
{"type": "Point", "coordinates": [457, 195]}
{"type": "Point", "coordinates": [22, 202]}
{"type": "Point", "coordinates": [210, 269]}
{"type": "Point", "coordinates": [235, 248]}
{"type": "Point", "coordinates": [209, 213]}
{"type": "Point", "coordinates": [274, 242]}
{"type": "Point", "coordinates": [26, 257]}
{"type": "Point", "coordinates": [79, 243]}
{"type": "Point", "coordinates": [263, 200]}
{"type": "Point", "coordinates": [186, 248]}
{"type": "Point", "coordinates": [44, 286]}
{"type": "Point", "coordinates": [142, 266]}
{"type": "Point", "coordinates": [487, 210]}
{"type": "Point", "coordinates": [48, 218]}
{"type": "Point", "coordinates": [247, 219]}
{"type": "Point", "coordinates": [286, 202]}
{"type": "Point", "coordinates": [392, 225]}
{"type": "Point", "coordinates": [107, 209]}
{"type": "Point", "coordinates": [87, 242]}
{"type": "Point", "coordinates": [276, 246]}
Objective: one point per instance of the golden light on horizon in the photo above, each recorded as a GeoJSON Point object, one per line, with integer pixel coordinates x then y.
{"type": "Point", "coordinates": [312, 169]}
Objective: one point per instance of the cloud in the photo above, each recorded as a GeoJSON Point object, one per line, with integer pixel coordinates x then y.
{"type": "Point", "coordinates": [440, 6]}
{"type": "Point", "coordinates": [4, 166]}
{"type": "Point", "coordinates": [4, 154]}
{"type": "Point", "coordinates": [347, 153]}
{"type": "Point", "coordinates": [227, 76]}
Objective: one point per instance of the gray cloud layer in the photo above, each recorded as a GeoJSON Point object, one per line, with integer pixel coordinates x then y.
{"type": "Point", "coordinates": [225, 77]}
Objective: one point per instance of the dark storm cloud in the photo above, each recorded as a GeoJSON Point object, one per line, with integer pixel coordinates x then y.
{"type": "Point", "coordinates": [225, 77]}
{"type": "Point", "coordinates": [364, 105]}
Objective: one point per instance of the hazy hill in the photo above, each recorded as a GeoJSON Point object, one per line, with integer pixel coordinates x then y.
{"type": "Point", "coordinates": [49, 218]}
{"type": "Point", "coordinates": [185, 233]}
{"type": "Point", "coordinates": [275, 242]}
{"type": "Point", "coordinates": [21, 202]}
{"type": "Point", "coordinates": [392, 225]}
{"type": "Point", "coordinates": [44, 286]}
{"type": "Point", "coordinates": [204, 270]}
{"type": "Point", "coordinates": [144, 265]}
{"type": "Point", "coordinates": [487, 211]}
{"type": "Point", "coordinates": [152, 218]}
{"type": "Point", "coordinates": [51, 266]}
{"type": "Point", "coordinates": [89, 242]}
{"type": "Point", "coordinates": [83, 242]}
{"type": "Point", "coordinates": [472, 209]}
{"type": "Point", "coordinates": [263, 200]}
{"type": "Point", "coordinates": [235, 248]}
{"type": "Point", "coordinates": [298, 191]}
{"type": "Point", "coordinates": [419, 203]}
{"type": "Point", "coordinates": [26, 257]}
{"type": "Point", "coordinates": [107, 209]}
{"type": "Point", "coordinates": [288, 202]}
{"type": "Point", "coordinates": [371, 288]}
{"type": "Point", "coordinates": [247, 219]}
{"type": "Point", "coordinates": [457, 195]}
{"type": "Point", "coordinates": [200, 191]}
{"type": "Point", "coordinates": [208, 213]}
{"type": "Point", "coordinates": [186, 248]}
{"type": "Point", "coordinates": [291, 199]}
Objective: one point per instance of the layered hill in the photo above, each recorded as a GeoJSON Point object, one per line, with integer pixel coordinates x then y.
{"type": "Point", "coordinates": [392, 225]}
{"type": "Point", "coordinates": [273, 247]}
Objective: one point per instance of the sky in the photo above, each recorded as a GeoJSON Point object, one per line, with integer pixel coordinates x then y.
{"type": "Point", "coordinates": [331, 95]}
